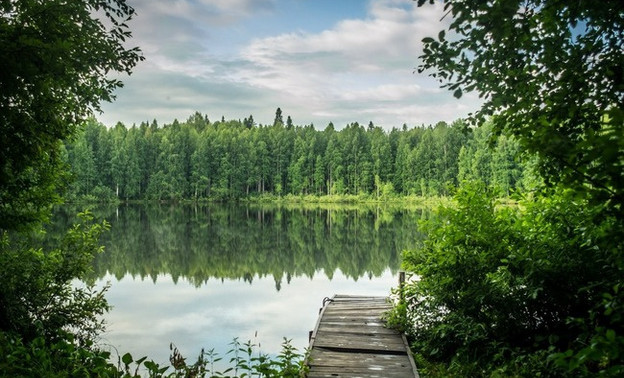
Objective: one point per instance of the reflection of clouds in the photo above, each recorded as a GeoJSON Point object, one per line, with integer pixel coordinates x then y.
{"type": "Point", "coordinates": [148, 316]}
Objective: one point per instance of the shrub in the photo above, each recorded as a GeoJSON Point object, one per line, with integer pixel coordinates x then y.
{"type": "Point", "coordinates": [502, 288]}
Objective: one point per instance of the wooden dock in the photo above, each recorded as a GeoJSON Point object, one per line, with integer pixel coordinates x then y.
{"type": "Point", "coordinates": [350, 340]}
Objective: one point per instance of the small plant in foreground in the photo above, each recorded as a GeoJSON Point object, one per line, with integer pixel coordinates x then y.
{"type": "Point", "coordinates": [246, 360]}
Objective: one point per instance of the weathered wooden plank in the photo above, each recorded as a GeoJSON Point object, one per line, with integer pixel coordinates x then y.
{"type": "Point", "coordinates": [378, 342]}
{"type": "Point", "coordinates": [347, 297]}
{"type": "Point", "coordinates": [360, 374]}
{"type": "Point", "coordinates": [369, 361]}
{"type": "Point", "coordinates": [364, 314]}
{"type": "Point", "coordinates": [361, 344]}
{"type": "Point", "coordinates": [372, 320]}
{"type": "Point", "coordinates": [355, 328]}
{"type": "Point", "coordinates": [361, 371]}
{"type": "Point", "coordinates": [332, 364]}
{"type": "Point", "coordinates": [370, 302]}
{"type": "Point", "coordinates": [357, 310]}
{"type": "Point", "coordinates": [365, 302]}
{"type": "Point", "coordinates": [350, 340]}
{"type": "Point", "coordinates": [378, 310]}
{"type": "Point", "coordinates": [332, 371]}
{"type": "Point", "coordinates": [357, 304]}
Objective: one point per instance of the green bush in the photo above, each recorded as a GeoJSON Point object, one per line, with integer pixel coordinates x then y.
{"type": "Point", "coordinates": [104, 194]}
{"type": "Point", "coordinates": [48, 323]}
{"type": "Point", "coordinates": [527, 290]}
{"type": "Point", "coordinates": [60, 358]}
{"type": "Point", "coordinates": [38, 297]}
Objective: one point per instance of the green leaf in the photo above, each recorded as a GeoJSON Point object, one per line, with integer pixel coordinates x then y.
{"type": "Point", "coordinates": [457, 93]}
{"type": "Point", "coordinates": [610, 335]}
{"type": "Point", "coordinates": [127, 359]}
{"type": "Point", "coordinates": [151, 366]}
{"type": "Point", "coordinates": [427, 40]}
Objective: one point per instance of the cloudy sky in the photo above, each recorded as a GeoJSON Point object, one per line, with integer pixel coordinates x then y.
{"type": "Point", "coordinates": [318, 60]}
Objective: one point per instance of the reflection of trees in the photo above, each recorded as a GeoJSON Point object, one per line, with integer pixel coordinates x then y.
{"type": "Point", "coordinates": [236, 241]}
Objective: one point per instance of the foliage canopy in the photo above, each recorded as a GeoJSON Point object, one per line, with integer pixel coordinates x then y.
{"type": "Point", "coordinates": [57, 60]}
{"type": "Point", "coordinates": [535, 290]}
{"type": "Point", "coordinates": [523, 291]}
{"type": "Point", "coordinates": [550, 72]}
{"type": "Point", "coordinates": [202, 160]}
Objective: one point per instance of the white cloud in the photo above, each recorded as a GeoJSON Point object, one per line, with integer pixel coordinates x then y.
{"type": "Point", "coordinates": [387, 92]}
{"type": "Point", "coordinates": [358, 63]}
{"type": "Point", "coordinates": [356, 68]}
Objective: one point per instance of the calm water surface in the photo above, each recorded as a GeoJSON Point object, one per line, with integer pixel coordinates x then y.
{"type": "Point", "coordinates": [198, 276]}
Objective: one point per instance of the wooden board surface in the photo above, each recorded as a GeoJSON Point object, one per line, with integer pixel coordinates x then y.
{"type": "Point", "coordinates": [350, 340]}
{"type": "Point", "coordinates": [329, 364]}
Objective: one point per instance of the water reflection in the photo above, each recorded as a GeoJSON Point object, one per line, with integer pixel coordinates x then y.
{"type": "Point", "coordinates": [148, 316]}
{"type": "Point", "coordinates": [200, 275]}
{"type": "Point", "coordinates": [242, 242]}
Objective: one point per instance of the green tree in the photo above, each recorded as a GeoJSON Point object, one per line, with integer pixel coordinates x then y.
{"type": "Point", "coordinates": [505, 289]}
{"type": "Point", "coordinates": [279, 119]}
{"type": "Point", "coordinates": [54, 72]}
{"type": "Point", "coordinates": [320, 177]}
{"type": "Point", "coordinates": [335, 165]}
{"type": "Point", "coordinates": [533, 290]}
{"type": "Point", "coordinates": [199, 122]}
{"type": "Point", "coordinates": [550, 73]}
{"type": "Point", "coordinates": [449, 140]}
{"type": "Point", "coordinates": [204, 164]}
{"type": "Point", "coordinates": [464, 166]}
{"type": "Point", "coordinates": [151, 159]}
{"type": "Point", "coordinates": [506, 170]}
{"type": "Point", "coordinates": [59, 60]}
{"type": "Point", "coordinates": [83, 167]}
{"type": "Point", "coordinates": [401, 166]}
{"type": "Point", "coordinates": [381, 154]}
{"type": "Point", "coordinates": [263, 160]}
{"type": "Point", "coordinates": [356, 155]}
{"type": "Point", "coordinates": [422, 161]}
{"type": "Point", "coordinates": [132, 179]}
{"type": "Point", "coordinates": [297, 168]}
{"type": "Point", "coordinates": [94, 134]}
{"type": "Point", "coordinates": [249, 122]}
{"type": "Point", "coordinates": [282, 144]}
{"type": "Point", "coordinates": [119, 159]}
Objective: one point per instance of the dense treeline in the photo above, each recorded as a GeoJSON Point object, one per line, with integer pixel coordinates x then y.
{"type": "Point", "coordinates": [232, 159]}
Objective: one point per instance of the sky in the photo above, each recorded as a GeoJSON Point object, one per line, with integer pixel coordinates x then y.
{"type": "Point", "coordinates": [320, 61]}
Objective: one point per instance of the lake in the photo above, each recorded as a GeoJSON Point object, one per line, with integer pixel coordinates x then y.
{"type": "Point", "coordinates": [198, 276]}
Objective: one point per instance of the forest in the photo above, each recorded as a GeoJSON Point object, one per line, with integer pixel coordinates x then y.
{"type": "Point", "coordinates": [222, 160]}
{"type": "Point", "coordinates": [528, 290]}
